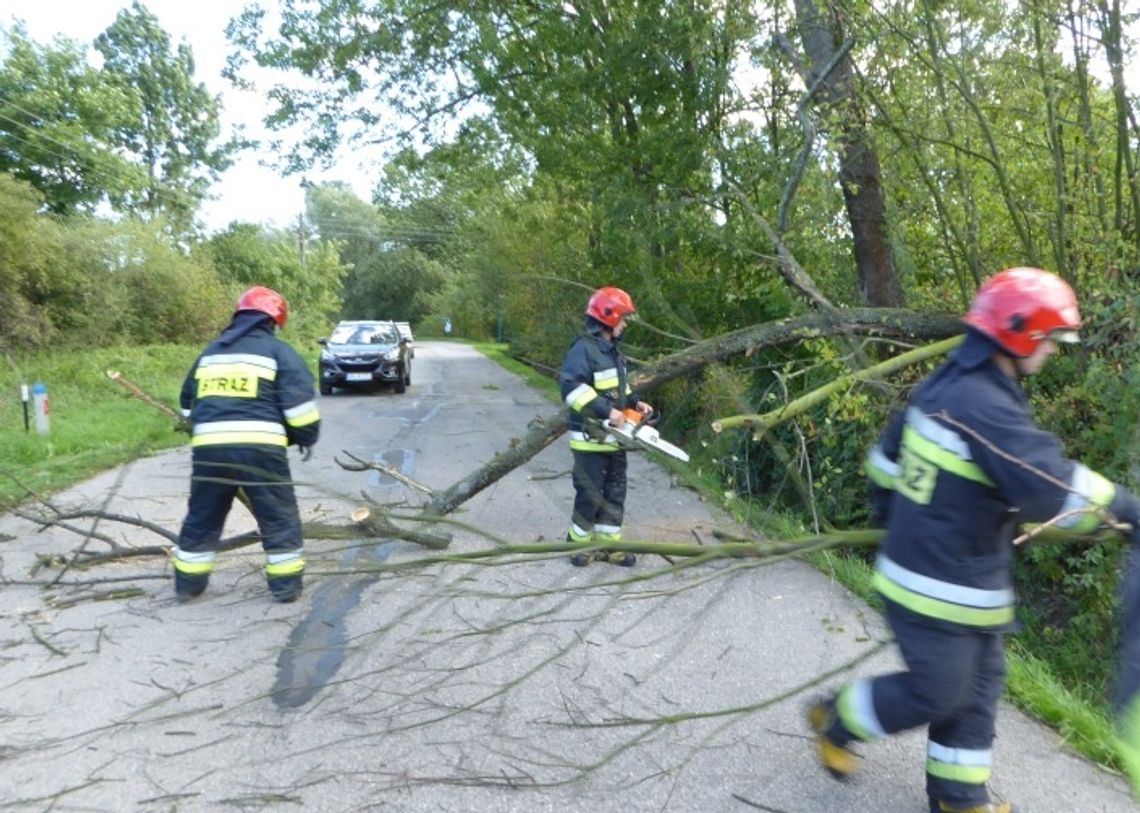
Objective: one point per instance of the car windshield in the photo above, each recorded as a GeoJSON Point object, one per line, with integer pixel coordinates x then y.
{"type": "Point", "coordinates": [363, 334]}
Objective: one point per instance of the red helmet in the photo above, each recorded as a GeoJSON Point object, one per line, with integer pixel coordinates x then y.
{"type": "Point", "coordinates": [1020, 307]}
{"type": "Point", "coordinates": [267, 301]}
{"type": "Point", "coordinates": [609, 305]}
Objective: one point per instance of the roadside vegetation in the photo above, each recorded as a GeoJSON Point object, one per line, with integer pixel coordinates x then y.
{"type": "Point", "coordinates": [883, 156]}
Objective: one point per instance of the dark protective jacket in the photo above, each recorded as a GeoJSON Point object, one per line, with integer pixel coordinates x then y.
{"type": "Point", "coordinates": [957, 472]}
{"type": "Point", "coordinates": [249, 387]}
{"type": "Point", "coordinates": [594, 381]}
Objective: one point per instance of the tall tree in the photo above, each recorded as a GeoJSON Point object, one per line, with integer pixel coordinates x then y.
{"type": "Point", "coordinates": [174, 126]}
{"type": "Point", "coordinates": [623, 103]}
{"type": "Point", "coordinates": [56, 117]}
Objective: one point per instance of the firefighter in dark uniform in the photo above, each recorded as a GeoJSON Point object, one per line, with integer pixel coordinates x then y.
{"type": "Point", "coordinates": [248, 397]}
{"type": "Point", "coordinates": [954, 475]}
{"type": "Point", "coordinates": [594, 383]}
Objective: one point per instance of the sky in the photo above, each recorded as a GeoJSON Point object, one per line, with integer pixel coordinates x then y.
{"type": "Point", "coordinates": [249, 191]}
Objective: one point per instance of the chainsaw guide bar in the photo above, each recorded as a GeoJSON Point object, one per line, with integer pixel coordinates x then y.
{"type": "Point", "coordinates": [646, 436]}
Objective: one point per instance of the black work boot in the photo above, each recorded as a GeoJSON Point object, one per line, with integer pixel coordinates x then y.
{"type": "Point", "coordinates": [287, 596]}
{"type": "Point", "coordinates": [985, 807]}
{"type": "Point", "coordinates": [188, 587]}
{"type": "Point", "coordinates": [580, 559]}
{"type": "Point", "coordinates": [286, 590]}
{"type": "Point", "coordinates": [839, 760]}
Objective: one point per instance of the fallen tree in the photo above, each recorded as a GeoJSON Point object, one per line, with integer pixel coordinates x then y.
{"type": "Point", "coordinates": [374, 522]}
{"type": "Point", "coordinates": [910, 326]}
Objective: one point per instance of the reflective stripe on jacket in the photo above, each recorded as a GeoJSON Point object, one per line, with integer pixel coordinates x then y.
{"type": "Point", "coordinates": [593, 381]}
{"type": "Point", "coordinates": [966, 464]}
{"type": "Point", "coordinates": [252, 389]}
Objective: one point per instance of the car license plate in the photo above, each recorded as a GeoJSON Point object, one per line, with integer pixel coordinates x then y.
{"type": "Point", "coordinates": [359, 376]}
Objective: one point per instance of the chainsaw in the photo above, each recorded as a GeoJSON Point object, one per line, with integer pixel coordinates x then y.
{"type": "Point", "coordinates": [639, 428]}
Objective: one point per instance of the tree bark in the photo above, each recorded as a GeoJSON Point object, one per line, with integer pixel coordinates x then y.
{"type": "Point", "coordinates": [860, 175]}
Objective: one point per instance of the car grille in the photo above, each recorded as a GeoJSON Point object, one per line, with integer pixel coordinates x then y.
{"type": "Point", "coordinates": [358, 364]}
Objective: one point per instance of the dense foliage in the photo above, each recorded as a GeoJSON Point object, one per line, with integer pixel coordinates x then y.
{"type": "Point", "coordinates": [137, 134]}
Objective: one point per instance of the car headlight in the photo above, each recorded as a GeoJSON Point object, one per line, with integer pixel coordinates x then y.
{"type": "Point", "coordinates": [327, 356]}
{"type": "Point", "coordinates": [393, 354]}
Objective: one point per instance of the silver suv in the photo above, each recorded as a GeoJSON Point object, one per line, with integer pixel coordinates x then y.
{"type": "Point", "coordinates": [364, 353]}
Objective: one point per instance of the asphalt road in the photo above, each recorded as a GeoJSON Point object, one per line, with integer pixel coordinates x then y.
{"type": "Point", "coordinates": [524, 685]}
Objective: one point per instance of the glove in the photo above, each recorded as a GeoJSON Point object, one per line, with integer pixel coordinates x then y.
{"type": "Point", "coordinates": [183, 425]}
{"type": "Point", "coordinates": [306, 453]}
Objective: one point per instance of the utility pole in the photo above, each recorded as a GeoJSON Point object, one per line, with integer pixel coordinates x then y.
{"type": "Point", "coordinates": [301, 237]}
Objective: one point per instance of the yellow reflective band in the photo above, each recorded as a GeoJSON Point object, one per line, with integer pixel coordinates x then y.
{"type": "Point", "coordinates": [582, 537]}
{"type": "Point", "coordinates": [290, 568]}
{"type": "Point", "coordinates": [592, 446]}
{"type": "Point", "coordinates": [880, 470]}
{"type": "Point", "coordinates": [966, 774]}
{"type": "Point", "coordinates": [303, 414]}
{"type": "Point", "coordinates": [944, 610]}
{"type": "Point", "coordinates": [306, 419]}
{"type": "Point", "coordinates": [851, 705]}
{"type": "Point", "coordinates": [193, 568]}
{"type": "Point", "coordinates": [223, 438]}
{"type": "Point", "coordinates": [944, 458]}
{"type": "Point", "coordinates": [581, 395]}
{"type": "Point", "coordinates": [606, 379]}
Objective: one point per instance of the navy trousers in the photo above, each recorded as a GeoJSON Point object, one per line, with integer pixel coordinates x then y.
{"type": "Point", "coordinates": [599, 489]}
{"type": "Point", "coordinates": [952, 684]}
{"type": "Point", "coordinates": [262, 473]}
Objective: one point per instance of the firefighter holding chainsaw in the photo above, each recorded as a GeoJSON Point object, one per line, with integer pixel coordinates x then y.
{"type": "Point", "coordinates": [953, 476]}
{"type": "Point", "coordinates": [248, 397]}
{"type": "Point", "coordinates": [595, 385]}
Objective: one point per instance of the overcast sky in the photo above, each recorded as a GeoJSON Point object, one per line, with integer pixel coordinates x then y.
{"type": "Point", "coordinates": [248, 191]}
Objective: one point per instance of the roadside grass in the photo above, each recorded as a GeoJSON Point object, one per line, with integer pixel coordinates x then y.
{"type": "Point", "coordinates": [96, 425]}
{"type": "Point", "coordinates": [545, 381]}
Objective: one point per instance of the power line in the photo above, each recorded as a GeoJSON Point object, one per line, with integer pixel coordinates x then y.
{"type": "Point", "coordinates": [104, 176]}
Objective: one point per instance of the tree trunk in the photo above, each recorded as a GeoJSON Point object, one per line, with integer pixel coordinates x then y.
{"type": "Point", "coordinates": [1125, 185]}
{"type": "Point", "coordinates": [859, 171]}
